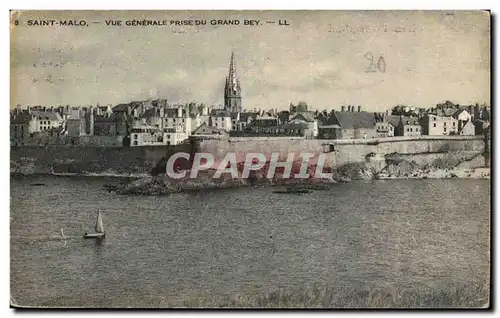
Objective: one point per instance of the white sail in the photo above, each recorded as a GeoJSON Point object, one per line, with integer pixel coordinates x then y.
{"type": "Point", "coordinates": [99, 228]}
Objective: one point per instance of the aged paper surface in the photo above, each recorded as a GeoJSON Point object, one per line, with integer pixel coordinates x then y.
{"type": "Point", "coordinates": [312, 159]}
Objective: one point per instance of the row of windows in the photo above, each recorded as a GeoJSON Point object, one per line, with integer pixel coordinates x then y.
{"type": "Point", "coordinates": [173, 120]}
{"type": "Point", "coordinates": [145, 130]}
{"type": "Point", "coordinates": [411, 129]}
{"type": "Point", "coordinates": [444, 125]}
{"type": "Point", "coordinates": [45, 122]}
{"type": "Point", "coordinates": [136, 136]}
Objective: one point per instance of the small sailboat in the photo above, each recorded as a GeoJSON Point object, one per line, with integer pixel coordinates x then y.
{"type": "Point", "coordinates": [99, 228]}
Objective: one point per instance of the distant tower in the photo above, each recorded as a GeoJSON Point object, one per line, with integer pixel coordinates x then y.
{"type": "Point", "coordinates": [232, 91]}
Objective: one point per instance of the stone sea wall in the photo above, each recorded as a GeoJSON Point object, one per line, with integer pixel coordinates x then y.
{"type": "Point", "coordinates": [119, 161]}
{"type": "Point", "coordinates": [371, 153]}
{"type": "Point", "coordinates": [357, 158]}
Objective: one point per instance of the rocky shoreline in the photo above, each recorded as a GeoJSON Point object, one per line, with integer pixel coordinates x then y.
{"type": "Point", "coordinates": [394, 166]}
{"type": "Point", "coordinates": [163, 185]}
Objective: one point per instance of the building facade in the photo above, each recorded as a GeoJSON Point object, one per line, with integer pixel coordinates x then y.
{"type": "Point", "coordinates": [466, 128]}
{"type": "Point", "coordinates": [408, 126]}
{"type": "Point", "coordinates": [435, 125]}
{"type": "Point", "coordinates": [145, 135]}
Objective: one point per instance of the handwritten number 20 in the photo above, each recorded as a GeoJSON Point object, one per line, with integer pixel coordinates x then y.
{"type": "Point", "coordinates": [378, 66]}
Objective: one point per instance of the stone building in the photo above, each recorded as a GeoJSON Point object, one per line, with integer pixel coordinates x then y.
{"type": "Point", "coordinates": [206, 132]}
{"type": "Point", "coordinates": [354, 124]}
{"type": "Point", "coordinates": [143, 134]}
{"type": "Point", "coordinates": [115, 125]}
{"type": "Point", "coordinates": [132, 109]}
{"type": "Point", "coordinates": [466, 128]}
{"type": "Point", "coordinates": [435, 125]}
{"type": "Point", "coordinates": [175, 135]}
{"type": "Point", "coordinates": [75, 127]}
{"type": "Point", "coordinates": [307, 121]}
{"type": "Point", "coordinates": [408, 126]}
{"type": "Point", "coordinates": [221, 119]}
{"type": "Point", "coordinates": [329, 132]}
{"type": "Point", "coordinates": [265, 124]}
{"type": "Point", "coordinates": [20, 129]}
{"type": "Point", "coordinates": [295, 129]}
{"type": "Point", "coordinates": [44, 120]}
{"type": "Point", "coordinates": [384, 125]}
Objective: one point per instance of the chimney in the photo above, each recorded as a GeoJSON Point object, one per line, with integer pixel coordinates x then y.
{"type": "Point", "coordinates": [359, 108]}
{"type": "Point", "coordinates": [343, 108]}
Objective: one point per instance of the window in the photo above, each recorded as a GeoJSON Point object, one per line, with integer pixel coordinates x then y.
{"type": "Point", "coordinates": [135, 136]}
{"type": "Point", "coordinates": [407, 129]}
{"type": "Point", "coordinates": [434, 119]}
{"type": "Point", "coordinates": [434, 124]}
{"type": "Point", "coordinates": [135, 143]}
{"type": "Point", "coordinates": [444, 129]}
{"type": "Point", "coordinates": [444, 124]}
{"type": "Point", "coordinates": [48, 123]}
{"type": "Point", "coordinates": [453, 124]}
{"type": "Point", "coordinates": [168, 136]}
{"type": "Point", "coordinates": [411, 129]}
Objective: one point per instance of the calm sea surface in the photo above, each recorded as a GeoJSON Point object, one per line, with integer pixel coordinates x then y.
{"type": "Point", "coordinates": [163, 250]}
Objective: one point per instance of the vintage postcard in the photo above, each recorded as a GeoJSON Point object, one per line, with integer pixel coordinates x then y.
{"type": "Point", "coordinates": [250, 159]}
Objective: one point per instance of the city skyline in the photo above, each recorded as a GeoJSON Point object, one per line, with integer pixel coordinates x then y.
{"type": "Point", "coordinates": [322, 58]}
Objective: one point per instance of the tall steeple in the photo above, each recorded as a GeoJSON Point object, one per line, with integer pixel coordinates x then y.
{"type": "Point", "coordinates": [232, 90]}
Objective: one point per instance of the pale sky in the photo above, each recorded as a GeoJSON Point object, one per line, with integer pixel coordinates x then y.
{"type": "Point", "coordinates": [320, 58]}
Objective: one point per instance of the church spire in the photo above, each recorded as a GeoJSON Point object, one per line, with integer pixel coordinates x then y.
{"type": "Point", "coordinates": [232, 67]}
{"type": "Point", "coordinates": [232, 91]}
